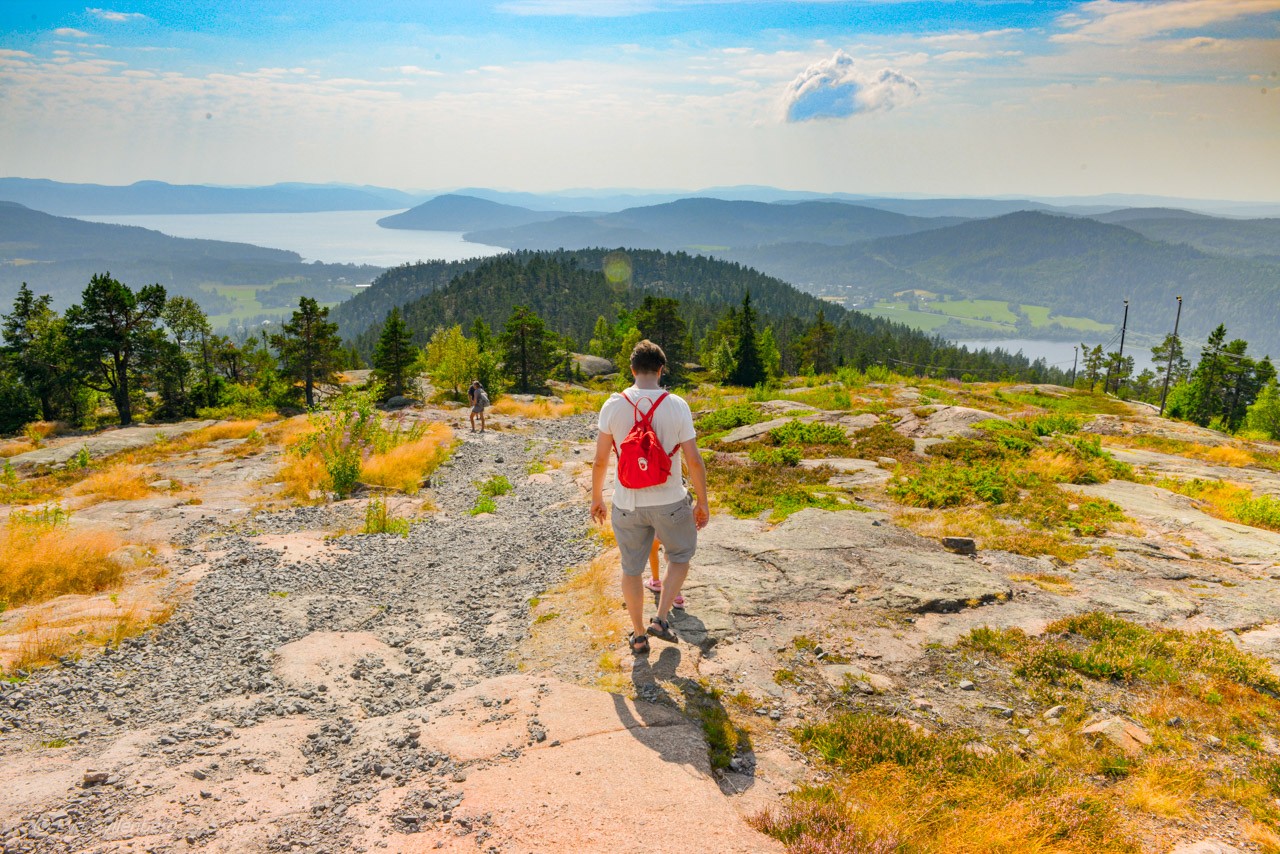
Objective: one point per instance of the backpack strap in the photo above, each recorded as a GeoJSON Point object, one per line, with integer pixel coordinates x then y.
{"type": "Point", "coordinates": [646, 417]}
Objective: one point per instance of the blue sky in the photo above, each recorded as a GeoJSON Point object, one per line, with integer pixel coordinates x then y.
{"type": "Point", "coordinates": [1174, 97]}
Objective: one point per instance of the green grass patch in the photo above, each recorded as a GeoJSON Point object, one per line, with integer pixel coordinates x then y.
{"type": "Point", "coordinates": [808, 434]}
{"type": "Point", "coordinates": [495, 486]}
{"type": "Point", "coordinates": [749, 489]}
{"type": "Point", "coordinates": [379, 520]}
{"type": "Point", "coordinates": [484, 504]}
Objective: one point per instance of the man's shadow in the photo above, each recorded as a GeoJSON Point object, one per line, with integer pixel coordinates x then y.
{"type": "Point", "coordinates": [657, 710]}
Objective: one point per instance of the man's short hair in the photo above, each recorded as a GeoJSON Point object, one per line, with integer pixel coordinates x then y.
{"type": "Point", "coordinates": [648, 358]}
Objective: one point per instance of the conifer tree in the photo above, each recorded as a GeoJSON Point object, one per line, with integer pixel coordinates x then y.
{"type": "Point", "coordinates": [35, 336]}
{"type": "Point", "coordinates": [747, 369]}
{"type": "Point", "coordinates": [112, 337]}
{"type": "Point", "coordinates": [529, 350]}
{"type": "Point", "coordinates": [308, 347]}
{"type": "Point", "coordinates": [394, 355]}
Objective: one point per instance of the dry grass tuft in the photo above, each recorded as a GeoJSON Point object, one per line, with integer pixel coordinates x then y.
{"type": "Point", "coordinates": [301, 478]}
{"type": "Point", "coordinates": [1046, 581]}
{"type": "Point", "coordinates": [15, 447]}
{"type": "Point", "coordinates": [116, 483]}
{"type": "Point", "coordinates": [42, 557]}
{"type": "Point", "coordinates": [405, 466]}
{"type": "Point", "coordinates": [43, 643]}
{"type": "Point", "coordinates": [225, 430]}
{"type": "Point", "coordinates": [991, 533]}
{"type": "Point", "coordinates": [532, 409]}
{"type": "Point", "coordinates": [592, 624]}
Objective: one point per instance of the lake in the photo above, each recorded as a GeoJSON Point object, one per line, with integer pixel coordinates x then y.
{"type": "Point", "coordinates": [335, 237]}
{"type": "Point", "coordinates": [1057, 354]}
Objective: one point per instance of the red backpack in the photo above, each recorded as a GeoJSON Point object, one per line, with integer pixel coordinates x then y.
{"type": "Point", "coordinates": [642, 461]}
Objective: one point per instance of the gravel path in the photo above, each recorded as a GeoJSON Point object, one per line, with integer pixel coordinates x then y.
{"type": "Point", "coordinates": [453, 592]}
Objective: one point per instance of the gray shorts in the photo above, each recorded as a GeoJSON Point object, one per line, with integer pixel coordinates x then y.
{"type": "Point", "coordinates": [672, 523]}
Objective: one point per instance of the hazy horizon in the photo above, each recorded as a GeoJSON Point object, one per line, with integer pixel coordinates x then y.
{"type": "Point", "coordinates": [1175, 98]}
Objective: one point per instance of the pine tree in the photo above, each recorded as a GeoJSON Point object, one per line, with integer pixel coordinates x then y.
{"type": "Point", "coordinates": [658, 319]}
{"type": "Point", "coordinates": [308, 347]}
{"type": "Point", "coordinates": [394, 355]}
{"type": "Point", "coordinates": [112, 337]}
{"type": "Point", "coordinates": [748, 369]}
{"type": "Point", "coordinates": [529, 350]}
{"type": "Point", "coordinates": [37, 343]}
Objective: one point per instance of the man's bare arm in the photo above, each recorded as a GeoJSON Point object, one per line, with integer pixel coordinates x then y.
{"type": "Point", "coordinates": [698, 477]}
{"type": "Point", "coordinates": [599, 470]}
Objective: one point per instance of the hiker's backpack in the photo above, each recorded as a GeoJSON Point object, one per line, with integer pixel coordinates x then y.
{"type": "Point", "coordinates": [642, 461]}
{"type": "Point", "coordinates": [482, 397]}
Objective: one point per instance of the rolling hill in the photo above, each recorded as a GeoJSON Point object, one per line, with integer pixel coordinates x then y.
{"type": "Point", "coordinates": [453, 212]}
{"type": "Point", "coordinates": [712, 224]}
{"type": "Point", "coordinates": [1075, 266]}
{"type": "Point", "coordinates": [158, 197]}
{"type": "Point", "coordinates": [58, 255]}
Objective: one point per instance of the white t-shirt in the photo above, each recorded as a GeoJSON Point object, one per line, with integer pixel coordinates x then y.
{"type": "Point", "coordinates": [673, 422]}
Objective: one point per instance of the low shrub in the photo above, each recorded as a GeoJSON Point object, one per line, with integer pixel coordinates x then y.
{"type": "Point", "coordinates": [378, 520]}
{"type": "Point", "coordinates": [788, 455]}
{"type": "Point", "coordinates": [806, 433]}
{"type": "Point", "coordinates": [729, 417]}
{"type": "Point", "coordinates": [881, 440]}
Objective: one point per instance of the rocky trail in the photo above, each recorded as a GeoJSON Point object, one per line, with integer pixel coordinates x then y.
{"type": "Point", "coordinates": [336, 692]}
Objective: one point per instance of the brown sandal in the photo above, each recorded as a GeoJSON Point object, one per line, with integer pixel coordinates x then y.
{"type": "Point", "coordinates": [639, 644]}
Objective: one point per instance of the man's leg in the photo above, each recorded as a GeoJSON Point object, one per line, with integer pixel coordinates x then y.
{"type": "Point", "coordinates": [633, 595]}
{"type": "Point", "coordinates": [676, 574]}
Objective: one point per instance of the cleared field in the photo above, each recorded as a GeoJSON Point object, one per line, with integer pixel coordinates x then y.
{"type": "Point", "coordinates": [246, 302]}
{"type": "Point", "coordinates": [993, 315]}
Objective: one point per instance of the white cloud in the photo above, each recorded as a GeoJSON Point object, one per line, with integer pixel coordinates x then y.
{"type": "Point", "coordinates": [70, 33]}
{"type": "Point", "coordinates": [13, 54]}
{"type": "Point", "coordinates": [969, 36]}
{"type": "Point", "coordinates": [1114, 22]}
{"type": "Point", "coordinates": [835, 88]}
{"type": "Point", "coordinates": [417, 71]}
{"type": "Point", "coordinates": [116, 17]}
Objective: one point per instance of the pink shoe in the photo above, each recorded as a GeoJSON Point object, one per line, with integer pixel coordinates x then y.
{"type": "Point", "coordinates": [678, 604]}
{"type": "Point", "coordinates": [651, 584]}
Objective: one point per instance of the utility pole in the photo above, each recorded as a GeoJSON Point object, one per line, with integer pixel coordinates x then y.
{"type": "Point", "coordinates": [1120, 359]}
{"type": "Point", "coordinates": [1106, 383]}
{"type": "Point", "coordinates": [1169, 368]}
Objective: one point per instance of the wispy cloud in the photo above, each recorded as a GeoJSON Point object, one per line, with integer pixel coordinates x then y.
{"type": "Point", "coordinates": [70, 33]}
{"type": "Point", "coordinates": [968, 36]}
{"type": "Point", "coordinates": [417, 71]}
{"type": "Point", "coordinates": [836, 88]}
{"type": "Point", "coordinates": [114, 16]}
{"type": "Point", "coordinates": [1114, 22]}
{"type": "Point", "coordinates": [13, 54]}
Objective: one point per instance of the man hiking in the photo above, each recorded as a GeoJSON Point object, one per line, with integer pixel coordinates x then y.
{"type": "Point", "coordinates": [479, 400]}
{"type": "Point", "coordinates": [651, 429]}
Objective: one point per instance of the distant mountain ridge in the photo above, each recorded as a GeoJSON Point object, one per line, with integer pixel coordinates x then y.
{"type": "Point", "coordinates": [1073, 265]}
{"type": "Point", "coordinates": [454, 212]}
{"type": "Point", "coordinates": [58, 255]}
{"type": "Point", "coordinates": [158, 197]}
{"type": "Point", "coordinates": [709, 224]}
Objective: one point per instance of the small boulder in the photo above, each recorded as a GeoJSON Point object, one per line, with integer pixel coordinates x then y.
{"type": "Point", "coordinates": [94, 778]}
{"type": "Point", "coordinates": [1125, 735]}
{"type": "Point", "coordinates": [1054, 713]}
{"type": "Point", "coordinates": [593, 366]}
{"type": "Point", "coordinates": [960, 545]}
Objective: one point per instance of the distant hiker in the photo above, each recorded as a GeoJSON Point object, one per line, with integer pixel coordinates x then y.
{"type": "Point", "coordinates": [650, 428]}
{"type": "Point", "coordinates": [479, 400]}
{"type": "Point", "coordinates": [654, 582]}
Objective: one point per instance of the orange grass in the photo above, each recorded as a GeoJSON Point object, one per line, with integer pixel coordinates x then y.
{"type": "Point", "coordinates": [301, 478]}
{"type": "Point", "coordinates": [225, 430]}
{"type": "Point", "coordinates": [15, 447]}
{"type": "Point", "coordinates": [404, 467]}
{"type": "Point", "coordinates": [531, 409]}
{"type": "Point", "coordinates": [116, 483]}
{"type": "Point", "coordinates": [40, 560]}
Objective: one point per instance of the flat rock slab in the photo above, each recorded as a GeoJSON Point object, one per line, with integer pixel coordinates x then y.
{"type": "Point", "coordinates": [780, 407]}
{"type": "Point", "coordinates": [945, 422]}
{"type": "Point", "coordinates": [106, 443]}
{"type": "Point", "coordinates": [1178, 514]}
{"type": "Point", "coordinates": [852, 472]}
{"type": "Point", "coordinates": [620, 772]}
{"type": "Point", "coordinates": [1260, 480]}
{"type": "Point", "coordinates": [1206, 846]}
{"type": "Point", "coordinates": [743, 568]}
{"type": "Point", "coordinates": [748, 432]}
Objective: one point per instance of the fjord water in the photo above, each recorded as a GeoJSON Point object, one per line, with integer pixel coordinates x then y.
{"type": "Point", "coordinates": [334, 237]}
